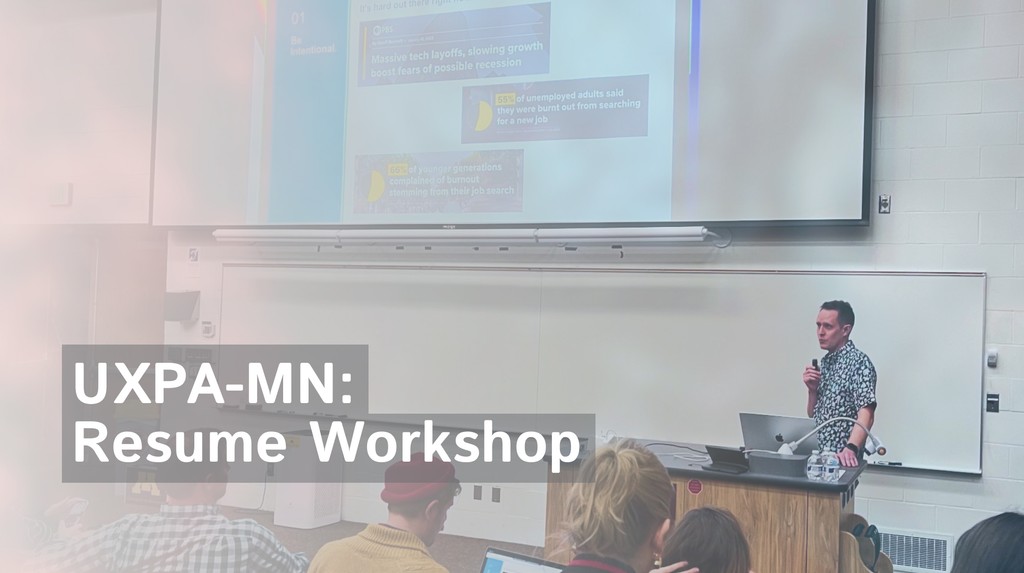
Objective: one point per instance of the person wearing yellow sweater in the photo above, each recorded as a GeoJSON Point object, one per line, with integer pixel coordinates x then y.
{"type": "Point", "coordinates": [419, 494]}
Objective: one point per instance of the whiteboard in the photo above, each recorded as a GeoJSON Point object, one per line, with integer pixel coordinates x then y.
{"type": "Point", "coordinates": [655, 353]}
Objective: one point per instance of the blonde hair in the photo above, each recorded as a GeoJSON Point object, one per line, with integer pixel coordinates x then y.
{"type": "Point", "coordinates": [622, 496]}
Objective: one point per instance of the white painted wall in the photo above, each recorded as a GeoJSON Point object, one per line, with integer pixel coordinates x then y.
{"type": "Point", "coordinates": [76, 110]}
{"type": "Point", "coordinates": [950, 151]}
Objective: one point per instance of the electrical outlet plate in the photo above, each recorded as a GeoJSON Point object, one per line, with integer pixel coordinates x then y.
{"type": "Point", "coordinates": [60, 194]}
{"type": "Point", "coordinates": [992, 403]}
{"type": "Point", "coordinates": [884, 204]}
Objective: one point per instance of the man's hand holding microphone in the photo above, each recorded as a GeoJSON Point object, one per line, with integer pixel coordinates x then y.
{"type": "Point", "coordinates": [812, 376]}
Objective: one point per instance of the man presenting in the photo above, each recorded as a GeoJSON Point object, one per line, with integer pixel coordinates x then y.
{"type": "Point", "coordinates": [843, 386]}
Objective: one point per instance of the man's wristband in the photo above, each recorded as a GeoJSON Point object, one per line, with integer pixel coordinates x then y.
{"type": "Point", "coordinates": [853, 448]}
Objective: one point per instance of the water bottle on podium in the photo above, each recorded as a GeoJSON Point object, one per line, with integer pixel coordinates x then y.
{"type": "Point", "coordinates": [832, 467]}
{"type": "Point", "coordinates": [814, 466]}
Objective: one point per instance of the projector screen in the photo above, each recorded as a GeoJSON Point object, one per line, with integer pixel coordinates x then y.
{"type": "Point", "coordinates": [459, 113]}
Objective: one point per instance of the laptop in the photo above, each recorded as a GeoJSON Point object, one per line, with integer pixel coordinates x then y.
{"type": "Point", "coordinates": [726, 460]}
{"type": "Point", "coordinates": [501, 561]}
{"type": "Point", "coordinates": [768, 432]}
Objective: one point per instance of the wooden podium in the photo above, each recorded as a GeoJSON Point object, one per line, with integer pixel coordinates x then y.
{"type": "Point", "coordinates": [792, 524]}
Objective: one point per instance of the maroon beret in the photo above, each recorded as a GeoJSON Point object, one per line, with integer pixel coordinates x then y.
{"type": "Point", "coordinates": [416, 479]}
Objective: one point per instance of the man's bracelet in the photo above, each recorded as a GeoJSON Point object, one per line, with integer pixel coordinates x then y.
{"type": "Point", "coordinates": [853, 448]}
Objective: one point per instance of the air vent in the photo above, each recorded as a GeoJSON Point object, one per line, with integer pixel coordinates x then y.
{"type": "Point", "coordinates": [917, 552]}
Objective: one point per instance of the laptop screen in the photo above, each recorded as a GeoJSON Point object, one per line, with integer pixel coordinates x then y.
{"type": "Point", "coordinates": [501, 561]}
{"type": "Point", "coordinates": [768, 432]}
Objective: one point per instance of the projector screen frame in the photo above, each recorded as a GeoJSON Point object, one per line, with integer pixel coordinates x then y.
{"type": "Point", "coordinates": [863, 220]}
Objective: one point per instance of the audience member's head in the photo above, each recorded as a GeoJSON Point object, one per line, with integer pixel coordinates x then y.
{"type": "Point", "coordinates": [621, 505]}
{"type": "Point", "coordinates": [419, 494]}
{"type": "Point", "coordinates": [710, 539]}
{"type": "Point", "coordinates": [994, 544]}
{"type": "Point", "coordinates": [194, 483]}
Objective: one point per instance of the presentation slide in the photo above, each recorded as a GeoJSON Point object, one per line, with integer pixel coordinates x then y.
{"type": "Point", "coordinates": [487, 112]}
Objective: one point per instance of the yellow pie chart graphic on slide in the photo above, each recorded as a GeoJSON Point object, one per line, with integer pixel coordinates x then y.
{"type": "Point", "coordinates": [484, 116]}
{"type": "Point", "coordinates": [376, 186]}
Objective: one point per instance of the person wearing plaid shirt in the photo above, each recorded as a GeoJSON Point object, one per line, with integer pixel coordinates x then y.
{"type": "Point", "coordinates": [188, 535]}
{"type": "Point", "coordinates": [179, 538]}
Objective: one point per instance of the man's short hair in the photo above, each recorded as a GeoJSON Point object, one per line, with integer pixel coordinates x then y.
{"type": "Point", "coordinates": [843, 308]}
{"type": "Point", "coordinates": [409, 487]}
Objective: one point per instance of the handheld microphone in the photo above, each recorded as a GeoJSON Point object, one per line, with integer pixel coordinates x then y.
{"type": "Point", "coordinates": [814, 363]}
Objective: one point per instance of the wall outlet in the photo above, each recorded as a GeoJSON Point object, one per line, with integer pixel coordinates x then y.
{"type": "Point", "coordinates": [61, 194]}
{"type": "Point", "coordinates": [884, 204]}
{"type": "Point", "coordinates": [992, 403]}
